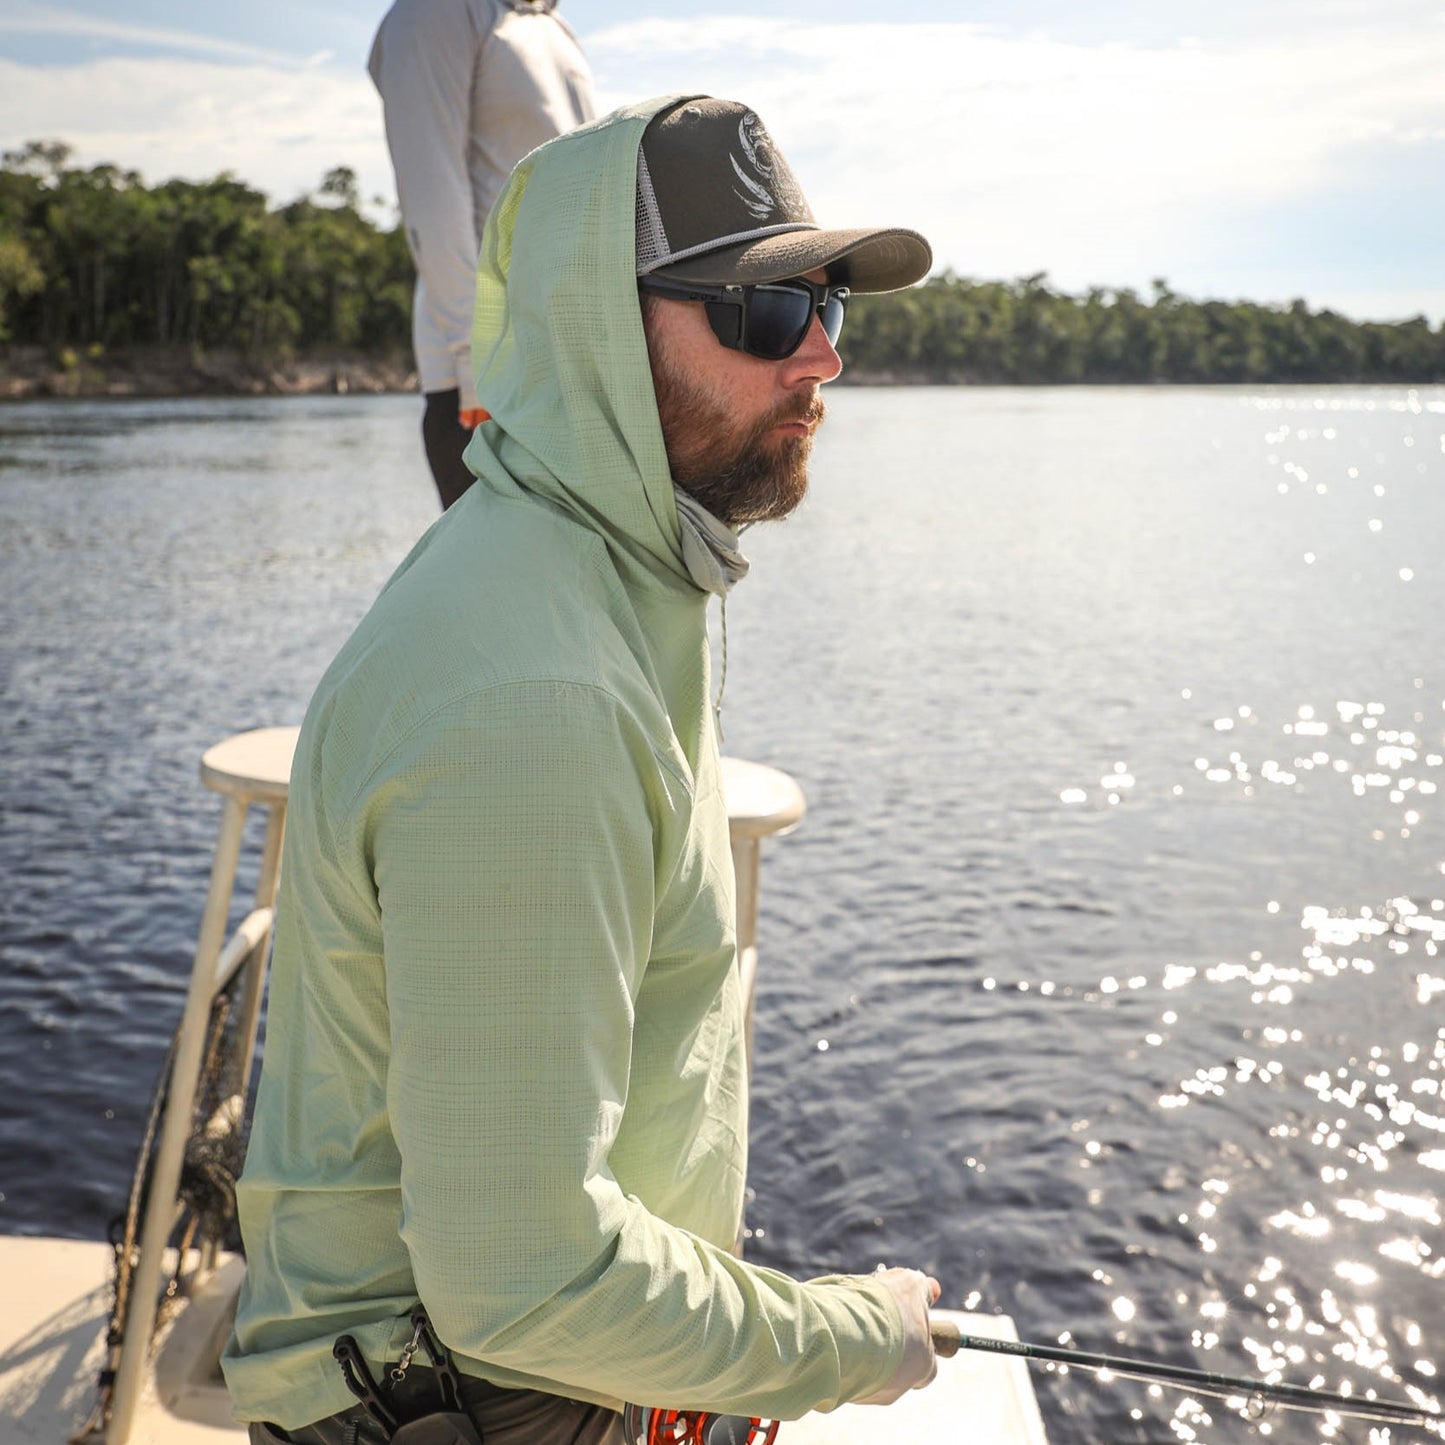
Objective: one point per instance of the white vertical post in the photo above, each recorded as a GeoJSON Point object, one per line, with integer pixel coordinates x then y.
{"type": "Point", "coordinates": [249, 1014]}
{"type": "Point", "coordinates": [747, 853]}
{"type": "Point", "coordinates": [165, 1177]}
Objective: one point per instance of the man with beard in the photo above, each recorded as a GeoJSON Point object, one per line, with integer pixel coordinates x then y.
{"type": "Point", "coordinates": [504, 1076]}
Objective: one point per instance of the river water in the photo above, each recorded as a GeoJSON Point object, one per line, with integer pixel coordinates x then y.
{"type": "Point", "coordinates": [1103, 978]}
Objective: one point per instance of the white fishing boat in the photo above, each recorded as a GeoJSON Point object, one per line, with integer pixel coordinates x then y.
{"type": "Point", "coordinates": [75, 1367]}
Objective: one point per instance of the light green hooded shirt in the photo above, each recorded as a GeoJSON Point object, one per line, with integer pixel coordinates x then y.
{"type": "Point", "coordinates": [504, 1069]}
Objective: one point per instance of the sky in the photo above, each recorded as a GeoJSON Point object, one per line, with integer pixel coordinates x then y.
{"type": "Point", "coordinates": [1257, 150]}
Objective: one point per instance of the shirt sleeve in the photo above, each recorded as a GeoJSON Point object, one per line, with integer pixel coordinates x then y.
{"type": "Point", "coordinates": [518, 852]}
{"type": "Point", "coordinates": [423, 63]}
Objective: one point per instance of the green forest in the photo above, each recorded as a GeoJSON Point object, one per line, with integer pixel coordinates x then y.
{"type": "Point", "coordinates": [93, 260]}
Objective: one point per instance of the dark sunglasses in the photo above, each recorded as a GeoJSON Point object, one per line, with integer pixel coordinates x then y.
{"type": "Point", "coordinates": [769, 320]}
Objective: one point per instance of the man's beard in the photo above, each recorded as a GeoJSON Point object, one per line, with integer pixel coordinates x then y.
{"type": "Point", "coordinates": [737, 472]}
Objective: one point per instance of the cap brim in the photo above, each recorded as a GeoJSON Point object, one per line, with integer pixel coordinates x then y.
{"type": "Point", "coordinates": [865, 259]}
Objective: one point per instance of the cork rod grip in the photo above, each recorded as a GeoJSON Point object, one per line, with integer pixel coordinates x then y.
{"type": "Point", "coordinates": [947, 1337]}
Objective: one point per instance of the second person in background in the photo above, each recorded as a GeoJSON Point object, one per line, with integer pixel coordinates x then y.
{"type": "Point", "coordinates": [468, 87]}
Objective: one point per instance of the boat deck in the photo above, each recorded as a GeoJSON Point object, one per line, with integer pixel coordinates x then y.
{"type": "Point", "coordinates": [54, 1299]}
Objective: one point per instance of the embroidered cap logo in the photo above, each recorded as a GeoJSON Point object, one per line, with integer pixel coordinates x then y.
{"type": "Point", "coordinates": [768, 185]}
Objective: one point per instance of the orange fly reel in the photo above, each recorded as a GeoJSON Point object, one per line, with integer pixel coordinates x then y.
{"type": "Point", "coordinates": [644, 1425]}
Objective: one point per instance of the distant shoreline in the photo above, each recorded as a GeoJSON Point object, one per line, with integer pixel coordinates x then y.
{"type": "Point", "coordinates": [32, 373]}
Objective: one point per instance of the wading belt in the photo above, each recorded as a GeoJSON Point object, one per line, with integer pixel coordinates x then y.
{"type": "Point", "coordinates": [446, 1423]}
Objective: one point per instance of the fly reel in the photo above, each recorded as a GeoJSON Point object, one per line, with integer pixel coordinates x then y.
{"type": "Point", "coordinates": [644, 1425]}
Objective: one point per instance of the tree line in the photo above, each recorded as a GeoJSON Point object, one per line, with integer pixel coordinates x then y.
{"type": "Point", "coordinates": [93, 258]}
{"type": "Point", "coordinates": [1024, 331]}
{"type": "Point", "coordinates": [96, 258]}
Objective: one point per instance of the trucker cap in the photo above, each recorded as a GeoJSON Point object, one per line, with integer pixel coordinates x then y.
{"type": "Point", "coordinates": [717, 203]}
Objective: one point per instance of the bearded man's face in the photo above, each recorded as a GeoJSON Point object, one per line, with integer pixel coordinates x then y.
{"type": "Point", "coordinates": [738, 429]}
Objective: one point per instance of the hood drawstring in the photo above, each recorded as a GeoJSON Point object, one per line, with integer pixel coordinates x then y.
{"type": "Point", "coordinates": [715, 562]}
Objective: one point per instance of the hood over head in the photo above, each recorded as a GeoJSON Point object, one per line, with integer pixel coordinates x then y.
{"type": "Point", "coordinates": [558, 348]}
{"type": "Point", "coordinates": [557, 343]}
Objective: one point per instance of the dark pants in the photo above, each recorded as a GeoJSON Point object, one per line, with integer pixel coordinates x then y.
{"type": "Point", "coordinates": [445, 438]}
{"type": "Point", "coordinates": [503, 1417]}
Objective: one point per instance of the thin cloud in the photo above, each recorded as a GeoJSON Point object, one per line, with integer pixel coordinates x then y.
{"type": "Point", "coordinates": [30, 19]}
{"type": "Point", "coordinates": [195, 119]}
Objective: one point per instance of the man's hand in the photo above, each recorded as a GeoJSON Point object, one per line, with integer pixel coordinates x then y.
{"type": "Point", "coordinates": [914, 1291]}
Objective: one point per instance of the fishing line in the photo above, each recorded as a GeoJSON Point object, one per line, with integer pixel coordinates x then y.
{"type": "Point", "coordinates": [1257, 1395]}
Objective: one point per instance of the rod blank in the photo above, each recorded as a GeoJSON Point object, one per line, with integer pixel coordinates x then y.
{"type": "Point", "coordinates": [948, 1340]}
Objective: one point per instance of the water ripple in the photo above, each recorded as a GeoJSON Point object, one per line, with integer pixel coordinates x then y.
{"type": "Point", "coordinates": [1103, 978]}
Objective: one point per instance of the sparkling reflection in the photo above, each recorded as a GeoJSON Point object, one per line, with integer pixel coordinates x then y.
{"type": "Point", "coordinates": [1342, 1271]}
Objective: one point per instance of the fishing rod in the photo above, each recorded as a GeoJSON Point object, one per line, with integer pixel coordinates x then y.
{"type": "Point", "coordinates": [687, 1427]}
{"type": "Point", "coordinates": [1259, 1395]}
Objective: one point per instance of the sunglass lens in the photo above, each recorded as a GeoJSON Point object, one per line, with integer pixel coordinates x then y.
{"type": "Point", "coordinates": [778, 319]}
{"type": "Point", "coordinates": [831, 313]}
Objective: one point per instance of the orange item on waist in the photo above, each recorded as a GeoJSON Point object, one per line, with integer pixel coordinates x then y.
{"type": "Point", "coordinates": [474, 416]}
